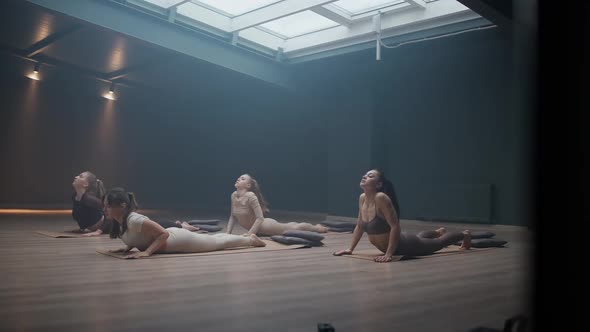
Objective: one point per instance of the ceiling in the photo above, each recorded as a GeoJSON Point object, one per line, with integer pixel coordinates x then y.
{"type": "Point", "coordinates": [32, 34]}
{"type": "Point", "coordinates": [292, 30]}
{"type": "Point", "coordinates": [280, 32]}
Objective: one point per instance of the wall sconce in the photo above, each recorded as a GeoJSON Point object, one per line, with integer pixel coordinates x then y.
{"type": "Point", "coordinates": [35, 74]}
{"type": "Point", "coordinates": [111, 93]}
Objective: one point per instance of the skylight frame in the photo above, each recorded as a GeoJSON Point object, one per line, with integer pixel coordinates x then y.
{"type": "Point", "coordinates": [372, 9]}
{"type": "Point", "coordinates": [228, 14]}
{"type": "Point", "coordinates": [166, 4]}
{"type": "Point", "coordinates": [398, 18]}
{"type": "Point", "coordinates": [265, 27]}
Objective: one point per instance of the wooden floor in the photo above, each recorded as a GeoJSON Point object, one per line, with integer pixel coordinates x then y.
{"type": "Point", "coordinates": [64, 285]}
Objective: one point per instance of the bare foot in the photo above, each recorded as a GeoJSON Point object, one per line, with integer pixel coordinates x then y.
{"type": "Point", "coordinates": [178, 223]}
{"type": "Point", "coordinates": [321, 228]}
{"type": "Point", "coordinates": [256, 241]}
{"type": "Point", "coordinates": [189, 227]}
{"type": "Point", "coordinates": [441, 231]}
{"type": "Point", "coordinates": [466, 240]}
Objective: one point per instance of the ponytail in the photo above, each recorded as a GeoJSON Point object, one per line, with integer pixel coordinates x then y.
{"type": "Point", "coordinates": [95, 185]}
{"type": "Point", "coordinates": [255, 188]}
{"type": "Point", "coordinates": [388, 189]}
{"type": "Point", "coordinates": [100, 191]}
{"type": "Point", "coordinates": [118, 196]}
{"type": "Point", "coordinates": [133, 206]}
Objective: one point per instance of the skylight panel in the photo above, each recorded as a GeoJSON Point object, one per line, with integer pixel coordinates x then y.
{"type": "Point", "coordinates": [355, 7]}
{"type": "Point", "coordinates": [164, 3]}
{"type": "Point", "coordinates": [237, 7]}
{"type": "Point", "coordinates": [299, 24]}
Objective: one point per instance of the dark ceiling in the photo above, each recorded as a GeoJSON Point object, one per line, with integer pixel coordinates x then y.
{"type": "Point", "coordinates": [32, 33]}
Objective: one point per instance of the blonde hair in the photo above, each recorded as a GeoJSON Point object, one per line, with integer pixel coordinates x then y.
{"type": "Point", "coordinates": [255, 188]}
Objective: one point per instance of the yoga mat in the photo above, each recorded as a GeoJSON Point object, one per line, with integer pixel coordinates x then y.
{"type": "Point", "coordinates": [270, 246]}
{"type": "Point", "coordinates": [370, 254]}
{"type": "Point", "coordinates": [63, 235]}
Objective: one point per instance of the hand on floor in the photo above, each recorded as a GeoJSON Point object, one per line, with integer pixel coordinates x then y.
{"type": "Point", "coordinates": [383, 259]}
{"type": "Point", "coordinates": [119, 250]}
{"type": "Point", "coordinates": [138, 255]}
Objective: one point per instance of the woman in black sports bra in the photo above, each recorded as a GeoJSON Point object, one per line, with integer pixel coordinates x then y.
{"type": "Point", "coordinates": [378, 216]}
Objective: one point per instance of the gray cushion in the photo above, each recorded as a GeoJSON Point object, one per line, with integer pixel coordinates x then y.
{"type": "Point", "coordinates": [340, 230]}
{"type": "Point", "coordinates": [203, 222]}
{"type": "Point", "coordinates": [209, 228]}
{"type": "Point", "coordinates": [311, 236]}
{"type": "Point", "coordinates": [487, 243]}
{"type": "Point", "coordinates": [482, 234]}
{"type": "Point", "coordinates": [338, 224]}
{"type": "Point", "coordinates": [295, 240]}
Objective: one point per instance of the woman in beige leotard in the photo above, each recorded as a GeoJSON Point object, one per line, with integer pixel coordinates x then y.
{"type": "Point", "coordinates": [248, 207]}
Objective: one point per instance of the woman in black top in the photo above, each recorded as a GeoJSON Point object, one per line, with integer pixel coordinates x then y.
{"type": "Point", "coordinates": [378, 216]}
{"type": "Point", "coordinates": [87, 208]}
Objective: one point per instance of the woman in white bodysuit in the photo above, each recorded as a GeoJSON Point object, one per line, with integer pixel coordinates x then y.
{"type": "Point", "coordinates": [138, 231]}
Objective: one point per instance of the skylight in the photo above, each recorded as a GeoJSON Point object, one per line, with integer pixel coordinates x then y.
{"type": "Point", "coordinates": [164, 3]}
{"type": "Point", "coordinates": [356, 7]}
{"type": "Point", "coordinates": [299, 24]}
{"type": "Point", "coordinates": [237, 7]}
{"type": "Point", "coordinates": [300, 28]}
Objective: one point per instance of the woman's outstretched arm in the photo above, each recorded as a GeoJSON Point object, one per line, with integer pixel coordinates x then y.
{"type": "Point", "coordinates": [155, 231]}
{"type": "Point", "coordinates": [385, 205]}
{"type": "Point", "coordinates": [357, 234]}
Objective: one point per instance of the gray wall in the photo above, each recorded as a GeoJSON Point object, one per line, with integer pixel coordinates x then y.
{"type": "Point", "coordinates": [451, 130]}
{"type": "Point", "coordinates": [445, 119]}
{"type": "Point", "coordinates": [344, 103]}
{"type": "Point", "coordinates": [173, 151]}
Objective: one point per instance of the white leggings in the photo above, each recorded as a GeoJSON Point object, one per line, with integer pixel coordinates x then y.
{"type": "Point", "coordinates": [272, 227]}
{"type": "Point", "coordinates": [182, 240]}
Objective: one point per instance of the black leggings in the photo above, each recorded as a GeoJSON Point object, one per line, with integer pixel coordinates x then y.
{"type": "Point", "coordinates": [425, 243]}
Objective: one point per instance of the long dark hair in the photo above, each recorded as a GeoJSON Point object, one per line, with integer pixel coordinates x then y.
{"type": "Point", "coordinates": [118, 196]}
{"type": "Point", "coordinates": [255, 188]}
{"type": "Point", "coordinates": [387, 189]}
